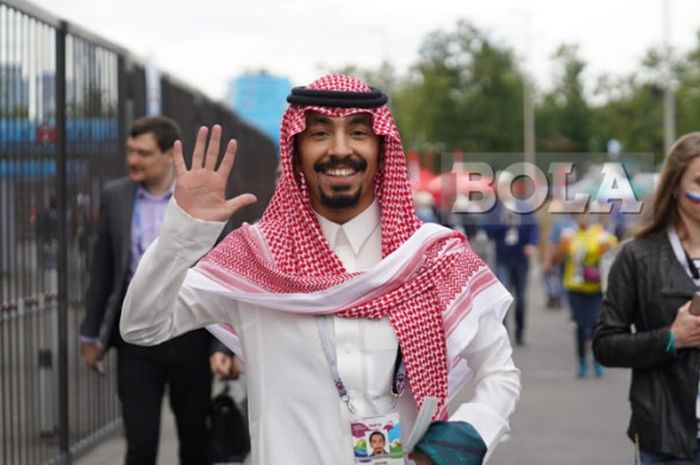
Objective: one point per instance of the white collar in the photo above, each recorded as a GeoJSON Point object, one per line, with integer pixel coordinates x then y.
{"type": "Point", "coordinates": [143, 193]}
{"type": "Point", "coordinates": [357, 229]}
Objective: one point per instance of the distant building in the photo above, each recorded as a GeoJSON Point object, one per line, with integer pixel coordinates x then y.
{"type": "Point", "coordinates": [260, 99]}
{"type": "Point", "coordinates": [14, 91]}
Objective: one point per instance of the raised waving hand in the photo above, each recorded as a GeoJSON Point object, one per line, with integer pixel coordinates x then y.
{"type": "Point", "coordinates": [201, 190]}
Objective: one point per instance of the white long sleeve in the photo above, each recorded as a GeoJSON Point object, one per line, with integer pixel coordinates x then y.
{"type": "Point", "coordinates": [158, 306]}
{"type": "Point", "coordinates": [496, 383]}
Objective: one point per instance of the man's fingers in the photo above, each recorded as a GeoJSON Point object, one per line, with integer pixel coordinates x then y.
{"type": "Point", "coordinates": [685, 309]}
{"type": "Point", "coordinates": [229, 158]}
{"type": "Point", "coordinates": [221, 368]}
{"type": "Point", "coordinates": [179, 159]}
{"type": "Point", "coordinates": [213, 149]}
{"type": "Point", "coordinates": [238, 367]}
{"type": "Point", "coordinates": [420, 458]}
{"type": "Point", "coordinates": [200, 144]}
{"type": "Point", "coordinates": [91, 354]}
{"type": "Point", "coordinates": [238, 202]}
{"type": "Point", "coordinates": [226, 365]}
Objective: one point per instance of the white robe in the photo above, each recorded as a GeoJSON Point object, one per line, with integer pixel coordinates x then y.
{"type": "Point", "coordinates": [296, 416]}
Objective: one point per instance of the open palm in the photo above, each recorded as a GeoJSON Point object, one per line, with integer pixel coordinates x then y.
{"type": "Point", "coordinates": [201, 190]}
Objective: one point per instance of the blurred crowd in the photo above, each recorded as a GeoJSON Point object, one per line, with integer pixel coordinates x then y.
{"type": "Point", "coordinates": [516, 235]}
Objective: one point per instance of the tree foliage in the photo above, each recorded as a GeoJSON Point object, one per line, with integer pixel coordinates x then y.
{"type": "Point", "coordinates": [688, 93]}
{"type": "Point", "coordinates": [564, 117]}
{"type": "Point", "coordinates": [465, 91]}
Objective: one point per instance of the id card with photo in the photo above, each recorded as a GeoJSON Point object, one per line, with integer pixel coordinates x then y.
{"type": "Point", "coordinates": [377, 440]}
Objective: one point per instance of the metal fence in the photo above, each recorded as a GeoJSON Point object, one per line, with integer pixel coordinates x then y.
{"type": "Point", "coordinates": [66, 99]}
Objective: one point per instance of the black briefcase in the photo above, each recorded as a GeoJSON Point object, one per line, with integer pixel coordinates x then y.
{"type": "Point", "coordinates": [227, 429]}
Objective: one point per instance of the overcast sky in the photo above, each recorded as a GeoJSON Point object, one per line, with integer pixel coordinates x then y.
{"type": "Point", "coordinates": [206, 42]}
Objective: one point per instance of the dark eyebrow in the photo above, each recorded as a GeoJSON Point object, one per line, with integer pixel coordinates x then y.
{"type": "Point", "coordinates": [361, 119]}
{"type": "Point", "coordinates": [318, 119]}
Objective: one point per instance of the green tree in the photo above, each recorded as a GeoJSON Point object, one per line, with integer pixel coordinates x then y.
{"type": "Point", "coordinates": [688, 93]}
{"type": "Point", "coordinates": [635, 118]}
{"type": "Point", "coordinates": [564, 118]}
{"type": "Point", "coordinates": [466, 92]}
{"type": "Point", "coordinates": [384, 77]}
{"type": "Point", "coordinates": [632, 108]}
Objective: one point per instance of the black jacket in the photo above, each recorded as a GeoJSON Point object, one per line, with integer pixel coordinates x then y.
{"type": "Point", "coordinates": [110, 262]}
{"type": "Point", "coordinates": [111, 257]}
{"type": "Point", "coordinates": [646, 286]}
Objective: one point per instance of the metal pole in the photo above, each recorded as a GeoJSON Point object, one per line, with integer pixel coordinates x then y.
{"type": "Point", "coordinates": [528, 100]}
{"type": "Point", "coordinates": [669, 98]}
{"type": "Point", "coordinates": [61, 195]}
{"type": "Point", "coordinates": [528, 121]}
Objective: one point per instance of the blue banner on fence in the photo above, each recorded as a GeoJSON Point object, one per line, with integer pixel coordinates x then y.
{"type": "Point", "coordinates": [41, 133]}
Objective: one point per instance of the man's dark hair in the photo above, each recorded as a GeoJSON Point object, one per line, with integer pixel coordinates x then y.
{"type": "Point", "coordinates": [379, 433]}
{"type": "Point", "coordinates": [165, 130]}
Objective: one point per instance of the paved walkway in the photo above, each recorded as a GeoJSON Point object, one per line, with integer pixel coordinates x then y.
{"type": "Point", "coordinates": [111, 452]}
{"type": "Point", "coordinates": [560, 420]}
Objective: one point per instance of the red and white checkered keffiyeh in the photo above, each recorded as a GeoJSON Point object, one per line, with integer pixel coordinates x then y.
{"type": "Point", "coordinates": [433, 288]}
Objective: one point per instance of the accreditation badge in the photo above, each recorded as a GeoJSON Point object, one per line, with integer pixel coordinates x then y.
{"type": "Point", "coordinates": [512, 236]}
{"type": "Point", "coordinates": [377, 440]}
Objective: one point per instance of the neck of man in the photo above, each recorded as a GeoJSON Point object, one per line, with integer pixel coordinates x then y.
{"type": "Point", "coordinates": [689, 233]}
{"type": "Point", "coordinates": [160, 186]}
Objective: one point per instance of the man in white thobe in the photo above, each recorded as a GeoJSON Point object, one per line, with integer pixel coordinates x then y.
{"type": "Point", "coordinates": [337, 295]}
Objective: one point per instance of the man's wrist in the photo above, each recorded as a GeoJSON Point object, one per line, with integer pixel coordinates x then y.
{"type": "Point", "coordinates": [89, 339]}
{"type": "Point", "coordinates": [449, 442]}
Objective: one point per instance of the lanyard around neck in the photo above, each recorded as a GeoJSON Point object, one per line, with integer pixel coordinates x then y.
{"type": "Point", "coordinates": [399, 380]}
{"type": "Point", "coordinates": [681, 255]}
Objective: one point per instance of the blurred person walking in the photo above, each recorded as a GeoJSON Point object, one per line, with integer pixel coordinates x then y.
{"type": "Point", "coordinates": [515, 233]}
{"type": "Point", "coordinates": [646, 322]}
{"type": "Point", "coordinates": [552, 266]}
{"type": "Point", "coordinates": [582, 250]}
{"type": "Point", "coordinates": [131, 214]}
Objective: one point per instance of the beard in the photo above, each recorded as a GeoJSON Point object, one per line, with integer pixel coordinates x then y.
{"type": "Point", "coordinates": [340, 199]}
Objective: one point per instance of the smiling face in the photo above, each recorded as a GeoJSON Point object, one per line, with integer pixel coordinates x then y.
{"type": "Point", "coordinates": [339, 158]}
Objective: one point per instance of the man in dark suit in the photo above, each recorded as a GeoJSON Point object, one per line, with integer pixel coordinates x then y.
{"type": "Point", "coordinates": [131, 212]}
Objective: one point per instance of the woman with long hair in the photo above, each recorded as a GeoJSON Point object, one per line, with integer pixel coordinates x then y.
{"type": "Point", "coordinates": [646, 322]}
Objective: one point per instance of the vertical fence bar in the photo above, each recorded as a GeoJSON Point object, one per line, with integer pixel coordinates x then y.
{"type": "Point", "coordinates": [67, 98]}
{"type": "Point", "coordinates": [14, 99]}
{"type": "Point", "coordinates": [25, 235]}
{"type": "Point", "coordinates": [4, 242]}
{"type": "Point", "coordinates": [125, 106]}
{"type": "Point", "coordinates": [34, 47]}
{"type": "Point", "coordinates": [61, 157]}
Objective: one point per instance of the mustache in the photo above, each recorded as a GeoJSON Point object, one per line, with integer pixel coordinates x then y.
{"type": "Point", "coordinates": [334, 162]}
